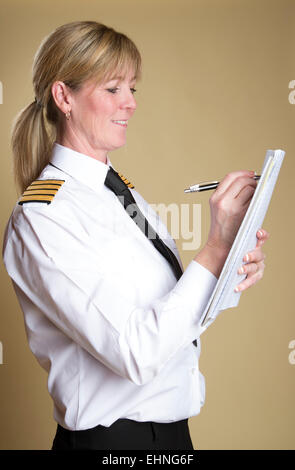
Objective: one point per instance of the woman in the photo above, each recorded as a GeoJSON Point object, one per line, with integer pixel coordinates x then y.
{"type": "Point", "coordinates": [109, 313]}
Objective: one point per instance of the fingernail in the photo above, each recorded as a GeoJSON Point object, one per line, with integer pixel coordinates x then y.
{"type": "Point", "coordinates": [246, 258]}
{"type": "Point", "coordinates": [260, 233]}
{"type": "Point", "coordinates": [241, 270]}
{"type": "Point", "coordinates": [237, 289]}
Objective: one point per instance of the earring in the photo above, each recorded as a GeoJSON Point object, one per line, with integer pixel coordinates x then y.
{"type": "Point", "coordinates": [68, 114]}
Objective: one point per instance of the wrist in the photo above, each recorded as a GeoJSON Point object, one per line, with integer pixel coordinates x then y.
{"type": "Point", "coordinates": [213, 258]}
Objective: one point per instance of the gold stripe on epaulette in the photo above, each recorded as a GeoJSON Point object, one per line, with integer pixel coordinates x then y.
{"type": "Point", "coordinates": [36, 187]}
{"type": "Point", "coordinates": [130, 185]}
{"type": "Point", "coordinates": [41, 191]}
{"type": "Point", "coordinates": [58, 182]}
{"type": "Point", "coordinates": [28, 192]}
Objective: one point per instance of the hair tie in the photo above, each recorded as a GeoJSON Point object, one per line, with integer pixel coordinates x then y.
{"type": "Point", "coordinates": [38, 103]}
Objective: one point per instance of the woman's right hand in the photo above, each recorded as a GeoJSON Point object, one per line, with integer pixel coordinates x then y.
{"type": "Point", "coordinates": [228, 205]}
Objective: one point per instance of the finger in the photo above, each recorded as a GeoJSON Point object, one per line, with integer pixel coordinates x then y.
{"type": "Point", "coordinates": [242, 187]}
{"type": "Point", "coordinates": [249, 281]}
{"type": "Point", "coordinates": [260, 243]}
{"type": "Point", "coordinates": [254, 256]}
{"type": "Point", "coordinates": [229, 178]}
{"type": "Point", "coordinates": [262, 234]}
{"type": "Point", "coordinates": [249, 268]}
{"type": "Point", "coordinates": [245, 195]}
{"type": "Point", "coordinates": [239, 194]}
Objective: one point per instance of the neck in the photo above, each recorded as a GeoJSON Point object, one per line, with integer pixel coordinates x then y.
{"type": "Point", "coordinates": [81, 145]}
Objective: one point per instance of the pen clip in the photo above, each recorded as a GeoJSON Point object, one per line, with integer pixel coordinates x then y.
{"type": "Point", "coordinates": [206, 183]}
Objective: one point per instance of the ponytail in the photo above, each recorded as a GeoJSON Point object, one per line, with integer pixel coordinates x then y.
{"type": "Point", "coordinates": [31, 145]}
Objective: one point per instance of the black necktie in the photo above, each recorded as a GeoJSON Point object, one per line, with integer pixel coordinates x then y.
{"type": "Point", "coordinates": [120, 186]}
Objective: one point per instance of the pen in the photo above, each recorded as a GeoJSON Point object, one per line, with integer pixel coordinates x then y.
{"type": "Point", "coordinates": [208, 185]}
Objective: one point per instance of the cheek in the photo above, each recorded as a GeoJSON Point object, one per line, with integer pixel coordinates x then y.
{"type": "Point", "coordinates": [92, 117]}
{"type": "Point", "coordinates": [104, 106]}
{"type": "Point", "coordinates": [96, 113]}
{"type": "Point", "coordinates": [101, 114]}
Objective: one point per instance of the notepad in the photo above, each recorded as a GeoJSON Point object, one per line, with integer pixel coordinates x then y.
{"type": "Point", "coordinates": [224, 296]}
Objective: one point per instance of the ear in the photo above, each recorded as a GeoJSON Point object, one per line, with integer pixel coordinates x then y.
{"type": "Point", "coordinates": [62, 96]}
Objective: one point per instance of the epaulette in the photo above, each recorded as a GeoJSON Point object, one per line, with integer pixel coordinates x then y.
{"type": "Point", "coordinates": [41, 191]}
{"type": "Point", "coordinates": [130, 185]}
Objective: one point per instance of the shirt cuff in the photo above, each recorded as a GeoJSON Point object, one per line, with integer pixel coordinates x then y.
{"type": "Point", "coordinates": [195, 287]}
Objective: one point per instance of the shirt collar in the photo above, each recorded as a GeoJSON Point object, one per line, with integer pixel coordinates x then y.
{"type": "Point", "coordinates": [82, 167]}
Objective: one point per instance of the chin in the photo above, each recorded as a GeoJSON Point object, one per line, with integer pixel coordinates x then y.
{"type": "Point", "coordinates": [118, 145]}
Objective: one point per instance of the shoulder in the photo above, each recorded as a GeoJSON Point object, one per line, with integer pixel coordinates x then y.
{"type": "Point", "coordinates": [46, 189]}
{"type": "Point", "coordinates": [44, 213]}
{"type": "Point", "coordinates": [49, 198]}
{"type": "Point", "coordinates": [41, 191]}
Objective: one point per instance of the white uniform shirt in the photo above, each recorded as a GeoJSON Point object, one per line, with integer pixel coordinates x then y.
{"type": "Point", "coordinates": [104, 313]}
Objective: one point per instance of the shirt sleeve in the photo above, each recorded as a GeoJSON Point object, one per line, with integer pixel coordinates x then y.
{"type": "Point", "coordinates": [56, 269]}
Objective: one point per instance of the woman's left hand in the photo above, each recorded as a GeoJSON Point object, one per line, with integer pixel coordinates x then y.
{"type": "Point", "coordinates": [254, 263]}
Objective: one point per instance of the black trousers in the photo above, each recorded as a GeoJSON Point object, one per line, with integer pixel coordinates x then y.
{"type": "Point", "coordinates": [126, 434]}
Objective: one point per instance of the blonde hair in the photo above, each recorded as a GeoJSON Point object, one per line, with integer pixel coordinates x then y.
{"type": "Point", "coordinates": [73, 53]}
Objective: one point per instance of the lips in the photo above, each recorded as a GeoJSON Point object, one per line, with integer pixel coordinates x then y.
{"type": "Point", "coordinates": [121, 122]}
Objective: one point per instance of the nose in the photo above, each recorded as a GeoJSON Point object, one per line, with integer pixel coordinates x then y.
{"type": "Point", "coordinates": [129, 101]}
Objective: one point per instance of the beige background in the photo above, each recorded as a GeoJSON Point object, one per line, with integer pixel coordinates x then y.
{"type": "Point", "coordinates": [213, 99]}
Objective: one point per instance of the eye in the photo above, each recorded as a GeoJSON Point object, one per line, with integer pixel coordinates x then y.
{"type": "Point", "coordinates": [133, 90]}
{"type": "Point", "coordinates": [112, 90]}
